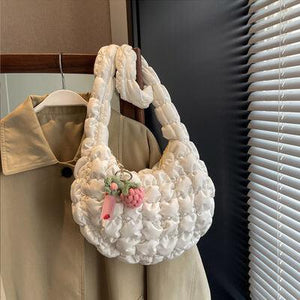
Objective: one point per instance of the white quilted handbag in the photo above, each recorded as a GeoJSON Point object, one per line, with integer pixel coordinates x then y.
{"type": "Point", "coordinates": [147, 216]}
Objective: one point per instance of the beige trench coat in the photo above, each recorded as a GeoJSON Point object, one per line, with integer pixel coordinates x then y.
{"type": "Point", "coordinates": [43, 254]}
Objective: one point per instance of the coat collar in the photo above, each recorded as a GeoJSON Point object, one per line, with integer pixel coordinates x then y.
{"type": "Point", "coordinates": [22, 142]}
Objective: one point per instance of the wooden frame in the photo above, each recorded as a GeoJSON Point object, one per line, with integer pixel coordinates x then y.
{"type": "Point", "coordinates": [47, 63]}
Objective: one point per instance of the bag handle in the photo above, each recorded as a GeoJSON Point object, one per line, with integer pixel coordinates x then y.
{"type": "Point", "coordinates": [122, 61]}
{"type": "Point", "coordinates": [126, 108]}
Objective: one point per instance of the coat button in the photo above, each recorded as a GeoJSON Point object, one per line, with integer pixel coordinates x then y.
{"type": "Point", "coordinates": [66, 172]}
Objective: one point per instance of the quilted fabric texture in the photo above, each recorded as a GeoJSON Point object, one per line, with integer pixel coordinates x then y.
{"type": "Point", "coordinates": [179, 195]}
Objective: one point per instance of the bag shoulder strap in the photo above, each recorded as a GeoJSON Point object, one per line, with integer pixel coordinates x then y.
{"type": "Point", "coordinates": [127, 109]}
{"type": "Point", "coordinates": [121, 60]}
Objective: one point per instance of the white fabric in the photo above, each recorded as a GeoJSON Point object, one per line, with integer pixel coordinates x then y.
{"type": "Point", "coordinates": [178, 205]}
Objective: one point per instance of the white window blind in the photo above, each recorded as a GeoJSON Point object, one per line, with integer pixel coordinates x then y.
{"type": "Point", "coordinates": [274, 114]}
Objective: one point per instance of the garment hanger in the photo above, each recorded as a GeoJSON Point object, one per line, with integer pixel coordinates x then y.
{"type": "Point", "coordinates": [61, 97]}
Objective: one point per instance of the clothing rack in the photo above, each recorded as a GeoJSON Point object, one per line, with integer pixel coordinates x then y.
{"type": "Point", "coordinates": [71, 63]}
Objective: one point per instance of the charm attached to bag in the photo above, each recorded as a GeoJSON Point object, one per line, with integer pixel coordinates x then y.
{"type": "Point", "coordinates": [117, 188]}
{"type": "Point", "coordinates": [147, 216]}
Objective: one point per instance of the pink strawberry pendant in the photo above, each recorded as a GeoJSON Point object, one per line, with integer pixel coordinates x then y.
{"type": "Point", "coordinates": [126, 191]}
{"type": "Point", "coordinates": [134, 198]}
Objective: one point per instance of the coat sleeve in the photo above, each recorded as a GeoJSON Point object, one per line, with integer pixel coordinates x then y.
{"type": "Point", "coordinates": [139, 148]}
{"type": "Point", "coordinates": [154, 149]}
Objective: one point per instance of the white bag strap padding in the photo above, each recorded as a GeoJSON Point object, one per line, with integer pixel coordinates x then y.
{"type": "Point", "coordinates": [122, 60]}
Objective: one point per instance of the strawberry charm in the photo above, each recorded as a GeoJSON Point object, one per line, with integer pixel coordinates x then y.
{"type": "Point", "coordinates": [117, 188]}
{"type": "Point", "coordinates": [133, 198]}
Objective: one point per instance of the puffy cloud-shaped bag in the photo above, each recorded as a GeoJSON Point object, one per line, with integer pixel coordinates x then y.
{"type": "Point", "coordinates": [147, 216]}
